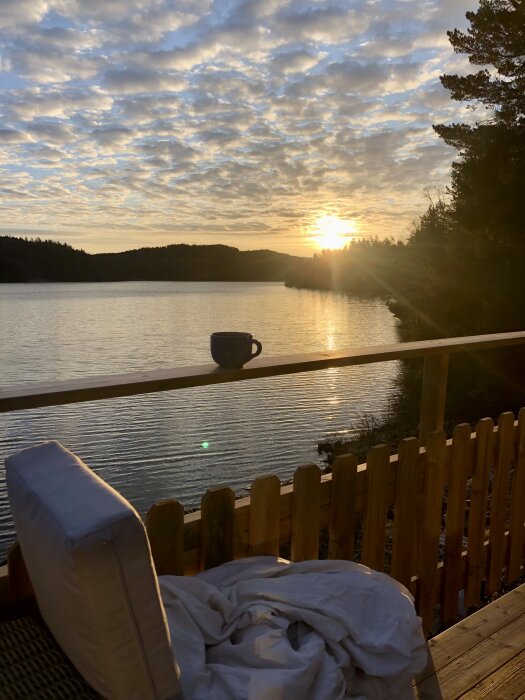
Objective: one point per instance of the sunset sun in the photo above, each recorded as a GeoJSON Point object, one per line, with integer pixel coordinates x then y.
{"type": "Point", "coordinates": [331, 232]}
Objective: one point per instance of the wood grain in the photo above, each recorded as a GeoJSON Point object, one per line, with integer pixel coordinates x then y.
{"type": "Point", "coordinates": [433, 394]}
{"type": "Point", "coordinates": [305, 513]}
{"type": "Point", "coordinates": [374, 523]}
{"type": "Point", "coordinates": [38, 394]}
{"type": "Point", "coordinates": [218, 529]}
{"type": "Point", "coordinates": [460, 466]}
{"type": "Point", "coordinates": [517, 508]}
{"type": "Point", "coordinates": [342, 508]}
{"type": "Point", "coordinates": [405, 513]}
{"type": "Point", "coordinates": [265, 510]}
{"type": "Point", "coordinates": [165, 528]}
{"type": "Point", "coordinates": [430, 527]}
{"type": "Point", "coordinates": [483, 459]}
{"type": "Point", "coordinates": [498, 506]}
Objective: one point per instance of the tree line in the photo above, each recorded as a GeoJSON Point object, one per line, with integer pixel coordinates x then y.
{"type": "Point", "coordinates": [36, 260]}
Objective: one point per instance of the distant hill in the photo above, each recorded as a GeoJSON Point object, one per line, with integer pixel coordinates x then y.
{"type": "Point", "coordinates": [24, 260]}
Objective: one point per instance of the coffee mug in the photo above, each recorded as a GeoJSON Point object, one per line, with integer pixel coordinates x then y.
{"type": "Point", "coordinates": [232, 350]}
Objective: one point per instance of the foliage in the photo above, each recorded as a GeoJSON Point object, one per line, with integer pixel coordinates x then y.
{"type": "Point", "coordinates": [468, 252]}
{"type": "Point", "coordinates": [367, 267]}
{"type": "Point", "coordinates": [495, 38]}
{"type": "Point", "coordinates": [33, 260]}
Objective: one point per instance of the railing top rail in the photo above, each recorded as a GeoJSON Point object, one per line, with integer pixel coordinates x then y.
{"type": "Point", "coordinates": [36, 395]}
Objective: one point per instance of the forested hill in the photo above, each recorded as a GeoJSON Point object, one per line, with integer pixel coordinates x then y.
{"type": "Point", "coordinates": [23, 260]}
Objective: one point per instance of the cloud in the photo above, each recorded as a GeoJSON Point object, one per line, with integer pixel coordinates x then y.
{"type": "Point", "coordinates": [13, 136]}
{"type": "Point", "coordinates": [20, 13]}
{"type": "Point", "coordinates": [39, 102]}
{"type": "Point", "coordinates": [245, 117]}
{"type": "Point", "coordinates": [50, 132]}
{"type": "Point", "coordinates": [112, 137]}
{"type": "Point", "coordinates": [133, 81]}
{"type": "Point", "coordinates": [329, 23]}
{"type": "Point", "coordinates": [294, 60]}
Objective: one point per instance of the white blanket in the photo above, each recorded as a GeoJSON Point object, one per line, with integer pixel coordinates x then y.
{"type": "Point", "coordinates": [265, 629]}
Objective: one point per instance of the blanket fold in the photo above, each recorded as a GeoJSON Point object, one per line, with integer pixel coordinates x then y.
{"type": "Point", "coordinates": [266, 629]}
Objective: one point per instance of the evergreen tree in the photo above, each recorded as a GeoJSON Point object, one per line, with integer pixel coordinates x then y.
{"type": "Point", "coordinates": [467, 255]}
{"type": "Point", "coordinates": [488, 179]}
{"type": "Point", "coordinates": [495, 38]}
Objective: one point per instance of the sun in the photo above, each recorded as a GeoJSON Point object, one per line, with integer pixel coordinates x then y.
{"type": "Point", "coordinates": [331, 232]}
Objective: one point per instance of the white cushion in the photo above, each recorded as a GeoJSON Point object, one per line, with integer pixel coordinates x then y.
{"type": "Point", "coordinates": [90, 564]}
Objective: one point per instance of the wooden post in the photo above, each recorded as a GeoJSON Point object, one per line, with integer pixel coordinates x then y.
{"type": "Point", "coordinates": [405, 511]}
{"type": "Point", "coordinates": [342, 508]}
{"type": "Point", "coordinates": [517, 509]}
{"type": "Point", "coordinates": [483, 462]}
{"type": "Point", "coordinates": [217, 527]}
{"type": "Point", "coordinates": [376, 507]}
{"type": "Point", "coordinates": [433, 393]}
{"type": "Point", "coordinates": [165, 528]}
{"type": "Point", "coordinates": [265, 511]}
{"type": "Point", "coordinates": [430, 528]}
{"type": "Point", "coordinates": [460, 467]}
{"type": "Point", "coordinates": [499, 501]}
{"type": "Point", "coordinates": [305, 513]}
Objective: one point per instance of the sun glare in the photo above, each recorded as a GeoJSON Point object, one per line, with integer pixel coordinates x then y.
{"type": "Point", "coordinates": [331, 232]}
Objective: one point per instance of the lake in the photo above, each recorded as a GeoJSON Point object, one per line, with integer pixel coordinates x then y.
{"type": "Point", "coordinates": [176, 444]}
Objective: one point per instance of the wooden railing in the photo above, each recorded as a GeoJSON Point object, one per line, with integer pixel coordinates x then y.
{"type": "Point", "coordinates": [387, 513]}
{"type": "Point", "coordinates": [447, 520]}
{"type": "Point", "coordinates": [435, 353]}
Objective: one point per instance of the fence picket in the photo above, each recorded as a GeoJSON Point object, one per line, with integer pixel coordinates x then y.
{"type": "Point", "coordinates": [374, 524]}
{"type": "Point", "coordinates": [404, 510]}
{"type": "Point", "coordinates": [217, 527]}
{"type": "Point", "coordinates": [265, 508]}
{"type": "Point", "coordinates": [342, 508]}
{"type": "Point", "coordinates": [414, 483]}
{"type": "Point", "coordinates": [165, 528]}
{"type": "Point", "coordinates": [498, 506]}
{"type": "Point", "coordinates": [460, 465]}
{"type": "Point", "coordinates": [430, 527]}
{"type": "Point", "coordinates": [479, 489]}
{"type": "Point", "coordinates": [305, 513]}
{"type": "Point", "coordinates": [517, 511]}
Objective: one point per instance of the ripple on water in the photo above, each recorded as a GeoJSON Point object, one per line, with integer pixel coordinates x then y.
{"type": "Point", "coordinates": [178, 444]}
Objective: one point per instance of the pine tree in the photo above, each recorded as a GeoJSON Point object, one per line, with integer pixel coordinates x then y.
{"type": "Point", "coordinates": [488, 179]}
{"type": "Point", "coordinates": [495, 38]}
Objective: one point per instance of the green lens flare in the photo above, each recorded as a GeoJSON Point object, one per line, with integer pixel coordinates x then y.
{"type": "Point", "coordinates": [205, 445]}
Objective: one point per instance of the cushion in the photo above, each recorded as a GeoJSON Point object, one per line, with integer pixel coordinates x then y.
{"type": "Point", "coordinates": [90, 564]}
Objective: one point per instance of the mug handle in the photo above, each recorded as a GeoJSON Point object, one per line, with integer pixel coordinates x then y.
{"type": "Point", "coordinates": [259, 349]}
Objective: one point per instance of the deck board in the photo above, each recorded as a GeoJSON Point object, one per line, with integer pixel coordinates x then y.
{"type": "Point", "coordinates": [505, 684]}
{"type": "Point", "coordinates": [481, 657]}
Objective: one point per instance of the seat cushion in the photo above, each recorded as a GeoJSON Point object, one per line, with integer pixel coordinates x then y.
{"type": "Point", "coordinates": [90, 564]}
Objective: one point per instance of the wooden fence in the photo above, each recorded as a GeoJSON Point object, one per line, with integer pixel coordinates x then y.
{"type": "Point", "coordinates": [446, 520]}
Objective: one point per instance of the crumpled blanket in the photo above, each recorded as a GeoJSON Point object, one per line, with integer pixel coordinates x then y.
{"type": "Point", "coordinates": [266, 629]}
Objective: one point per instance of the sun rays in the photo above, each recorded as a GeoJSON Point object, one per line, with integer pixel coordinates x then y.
{"type": "Point", "coordinates": [332, 233]}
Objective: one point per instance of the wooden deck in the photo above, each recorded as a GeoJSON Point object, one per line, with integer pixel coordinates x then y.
{"type": "Point", "coordinates": [483, 656]}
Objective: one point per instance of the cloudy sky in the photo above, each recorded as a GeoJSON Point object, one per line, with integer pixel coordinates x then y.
{"type": "Point", "coordinates": [127, 123]}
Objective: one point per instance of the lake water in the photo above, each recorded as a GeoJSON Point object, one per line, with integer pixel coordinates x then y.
{"type": "Point", "coordinates": [176, 444]}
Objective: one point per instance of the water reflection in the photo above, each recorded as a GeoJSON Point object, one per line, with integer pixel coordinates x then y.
{"type": "Point", "coordinates": [177, 444]}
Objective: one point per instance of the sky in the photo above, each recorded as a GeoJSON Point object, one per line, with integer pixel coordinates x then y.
{"type": "Point", "coordinates": [253, 123]}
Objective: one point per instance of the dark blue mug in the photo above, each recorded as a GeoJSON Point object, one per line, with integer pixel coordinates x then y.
{"type": "Point", "coordinates": [231, 349]}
